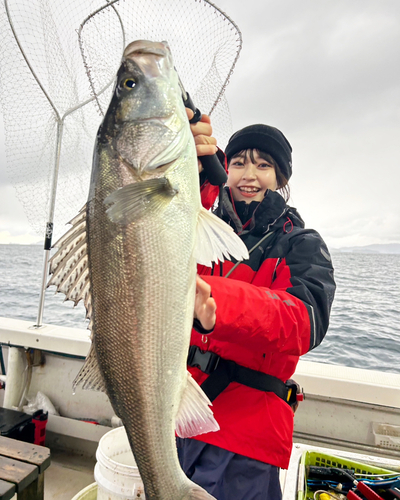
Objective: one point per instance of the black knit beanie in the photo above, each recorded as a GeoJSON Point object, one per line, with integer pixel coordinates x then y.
{"type": "Point", "coordinates": [268, 139]}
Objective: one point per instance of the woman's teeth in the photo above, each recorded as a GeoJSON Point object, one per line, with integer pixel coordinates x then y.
{"type": "Point", "coordinates": [249, 189]}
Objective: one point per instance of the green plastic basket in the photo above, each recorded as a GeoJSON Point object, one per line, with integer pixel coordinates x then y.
{"type": "Point", "coordinates": [323, 460]}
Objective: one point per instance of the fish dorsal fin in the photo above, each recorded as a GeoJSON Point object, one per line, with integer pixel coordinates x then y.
{"type": "Point", "coordinates": [194, 415]}
{"type": "Point", "coordinates": [70, 274]}
{"type": "Point", "coordinates": [130, 202]}
{"type": "Point", "coordinates": [69, 265]}
{"type": "Point", "coordinates": [216, 241]}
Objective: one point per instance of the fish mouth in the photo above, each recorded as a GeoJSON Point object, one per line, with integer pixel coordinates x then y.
{"type": "Point", "coordinates": [153, 59]}
{"type": "Point", "coordinates": [146, 47]}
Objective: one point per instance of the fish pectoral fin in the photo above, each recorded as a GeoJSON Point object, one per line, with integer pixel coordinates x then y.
{"type": "Point", "coordinates": [194, 415]}
{"type": "Point", "coordinates": [131, 202]}
{"type": "Point", "coordinates": [89, 375]}
{"type": "Point", "coordinates": [216, 241]}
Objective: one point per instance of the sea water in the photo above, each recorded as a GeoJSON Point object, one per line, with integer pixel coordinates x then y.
{"type": "Point", "coordinates": [364, 329]}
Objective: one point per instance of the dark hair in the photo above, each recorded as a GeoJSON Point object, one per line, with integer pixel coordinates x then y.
{"type": "Point", "coordinates": [263, 138]}
{"type": "Point", "coordinates": [282, 182]}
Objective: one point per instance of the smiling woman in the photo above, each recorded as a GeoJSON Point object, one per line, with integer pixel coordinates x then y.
{"type": "Point", "coordinates": [274, 309]}
{"type": "Point", "coordinates": [250, 175]}
{"type": "Point", "coordinates": [252, 167]}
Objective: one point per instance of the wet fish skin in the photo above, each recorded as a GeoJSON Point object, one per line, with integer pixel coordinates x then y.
{"type": "Point", "coordinates": [142, 241]}
{"type": "Point", "coordinates": [138, 343]}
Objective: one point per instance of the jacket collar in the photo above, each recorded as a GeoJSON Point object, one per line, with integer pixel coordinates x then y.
{"type": "Point", "coordinates": [271, 213]}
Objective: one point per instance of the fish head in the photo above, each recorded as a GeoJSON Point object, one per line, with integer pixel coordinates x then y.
{"type": "Point", "coordinates": [146, 118]}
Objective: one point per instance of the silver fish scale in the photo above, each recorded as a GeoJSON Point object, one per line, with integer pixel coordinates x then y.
{"type": "Point", "coordinates": [143, 281]}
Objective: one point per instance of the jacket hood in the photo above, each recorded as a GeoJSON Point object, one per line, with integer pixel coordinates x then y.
{"type": "Point", "coordinates": [272, 213]}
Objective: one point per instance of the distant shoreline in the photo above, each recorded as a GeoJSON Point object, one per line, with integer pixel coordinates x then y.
{"type": "Point", "coordinates": [388, 248]}
{"type": "Point", "coordinates": [376, 249]}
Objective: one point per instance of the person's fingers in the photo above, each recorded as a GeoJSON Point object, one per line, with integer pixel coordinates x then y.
{"type": "Point", "coordinates": [205, 150]}
{"type": "Point", "coordinates": [205, 139]}
{"type": "Point", "coordinates": [203, 293]}
{"type": "Point", "coordinates": [210, 307]}
{"type": "Point", "coordinates": [190, 113]}
{"type": "Point", "coordinates": [205, 306]}
{"type": "Point", "coordinates": [205, 145]}
{"type": "Point", "coordinates": [205, 119]}
{"type": "Point", "coordinates": [203, 289]}
{"type": "Point", "coordinates": [209, 316]}
{"type": "Point", "coordinates": [201, 128]}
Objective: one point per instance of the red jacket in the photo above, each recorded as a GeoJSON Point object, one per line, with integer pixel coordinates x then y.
{"type": "Point", "coordinates": [272, 309]}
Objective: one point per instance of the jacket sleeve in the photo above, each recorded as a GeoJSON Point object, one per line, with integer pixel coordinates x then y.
{"type": "Point", "coordinates": [208, 192]}
{"type": "Point", "coordinates": [290, 315]}
{"type": "Point", "coordinates": [307, 274]}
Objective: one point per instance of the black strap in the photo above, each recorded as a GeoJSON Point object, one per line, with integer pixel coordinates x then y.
{"type": "Point", "coordinates": [222, 372]}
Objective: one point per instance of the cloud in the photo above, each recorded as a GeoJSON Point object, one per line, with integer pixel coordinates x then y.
{"type": "Point", "coordinates": [347, 187]}
{"type": "Point", "coordinates": [14, 226]}
{"type": "Point", "coordinates": [316, 62]}
{"type": "Point", "coordinates": [326, 74]}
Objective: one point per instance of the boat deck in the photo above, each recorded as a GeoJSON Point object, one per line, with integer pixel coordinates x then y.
{"type": "Point", "coordinates": [67, 475]}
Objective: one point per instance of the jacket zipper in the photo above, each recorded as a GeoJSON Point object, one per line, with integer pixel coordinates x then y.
{"type": "Point", "coordinates": [312, 332]}
{"type": "Point", "coordinates": [251, 250]}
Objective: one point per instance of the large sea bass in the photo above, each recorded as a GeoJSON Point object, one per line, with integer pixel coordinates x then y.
{"type": "Point", "coordinates": [131, 256]}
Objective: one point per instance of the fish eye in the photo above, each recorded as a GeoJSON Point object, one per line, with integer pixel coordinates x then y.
{"type": "Point", "coordinates": [129, 83]}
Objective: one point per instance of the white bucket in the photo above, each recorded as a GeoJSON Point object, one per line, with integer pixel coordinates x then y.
{"type": "Point", "coordinates": [88, 493]}
{"type": "Point", "coordinates": [116, 473]}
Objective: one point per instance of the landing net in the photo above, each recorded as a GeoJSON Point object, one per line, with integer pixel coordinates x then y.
{"type": "Point", "coordinates": [58, 60]}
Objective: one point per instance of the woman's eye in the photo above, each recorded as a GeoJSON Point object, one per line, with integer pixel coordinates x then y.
{"type": "Point", "coordinates": [129, 83]}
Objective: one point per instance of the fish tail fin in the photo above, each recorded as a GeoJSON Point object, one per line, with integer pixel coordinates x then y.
{"type": "Point", "coordinates": [198, 493]}
{"type": "Point", "coordinates": [216, 240]}
{"type": "Point", "coordinates": [191, 491]}
{"type": "Point", "coordinates": [194, 415]}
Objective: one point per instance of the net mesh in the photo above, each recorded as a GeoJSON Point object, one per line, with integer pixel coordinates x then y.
{"type": "Point", "coordinates": [58, 61]}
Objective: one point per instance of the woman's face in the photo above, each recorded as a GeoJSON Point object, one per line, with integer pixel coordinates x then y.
{"type": "Point", "coordinates": [249, 181]}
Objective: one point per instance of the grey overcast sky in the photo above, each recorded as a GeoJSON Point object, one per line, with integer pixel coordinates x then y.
{"type": "Point", "coordinates": [327, 73]}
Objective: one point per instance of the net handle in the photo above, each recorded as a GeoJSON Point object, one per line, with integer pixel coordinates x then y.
{"type": "Point", "coordinates": [57, 154]}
